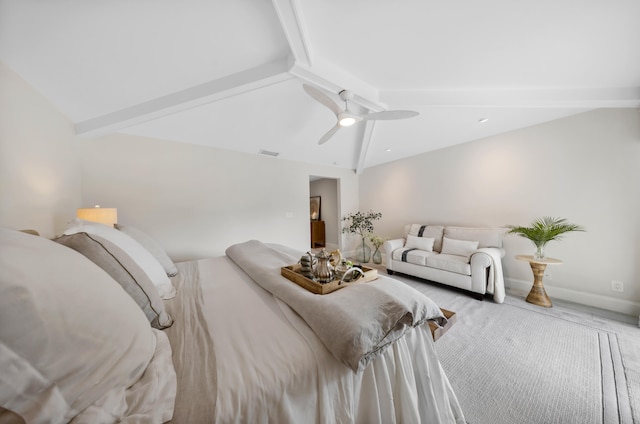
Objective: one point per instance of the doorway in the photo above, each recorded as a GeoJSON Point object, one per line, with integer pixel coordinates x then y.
{"type": "Point", "coordinates": [325, 226]}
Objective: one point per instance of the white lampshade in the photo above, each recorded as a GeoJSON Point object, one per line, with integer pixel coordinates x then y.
{"type": "Point", "coordinates": [107, 216]}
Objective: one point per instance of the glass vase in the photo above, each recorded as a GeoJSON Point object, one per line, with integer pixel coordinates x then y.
{"type": "Point", "coordinates": [539, 252]}
{"type": "Point", "coordinates": [363, 253]}
{"type": "Point", "coordinates": [377, 256]}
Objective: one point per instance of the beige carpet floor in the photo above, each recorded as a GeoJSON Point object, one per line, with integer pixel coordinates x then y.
{"type": "Point", "coordinates": [520, 363]}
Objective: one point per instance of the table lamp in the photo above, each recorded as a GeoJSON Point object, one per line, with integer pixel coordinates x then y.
{"type": "Point", "coordinates": [107, 216]}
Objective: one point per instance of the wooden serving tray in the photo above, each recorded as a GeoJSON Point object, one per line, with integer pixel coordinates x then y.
{"type": "Point", "coordinates": [292, 272]}
{"type": "Point", "coordinates": [438, 332]}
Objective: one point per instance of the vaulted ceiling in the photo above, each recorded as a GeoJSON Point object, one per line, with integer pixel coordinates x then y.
{"type": "Point", "coordinates": [229, 73]}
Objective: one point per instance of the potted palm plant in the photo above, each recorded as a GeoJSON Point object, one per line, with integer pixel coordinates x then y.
{"type": "Point", "coordinates": [361, 224]}
{"type": "Point", "coordinates": [543, 230]}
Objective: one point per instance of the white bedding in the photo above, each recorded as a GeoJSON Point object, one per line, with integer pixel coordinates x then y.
{"type": "Point", "coordinates": [271, 367]}
{"type": "Point", "coordinates": [150, 400]}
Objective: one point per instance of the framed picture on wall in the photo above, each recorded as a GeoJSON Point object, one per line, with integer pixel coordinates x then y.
{"type": "Point", "coordinates": [314, 208]}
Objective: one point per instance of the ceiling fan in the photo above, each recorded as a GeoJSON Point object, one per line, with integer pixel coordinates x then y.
{"type": "Point", "coordinates": [347, 118]}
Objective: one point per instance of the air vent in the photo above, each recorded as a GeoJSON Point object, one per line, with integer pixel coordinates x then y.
{"type": "Point", "coordinates": [268, 153]}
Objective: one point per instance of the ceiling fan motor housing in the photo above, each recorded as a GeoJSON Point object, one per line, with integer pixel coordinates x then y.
{"type": "Point", "coordinates": [346, 95]}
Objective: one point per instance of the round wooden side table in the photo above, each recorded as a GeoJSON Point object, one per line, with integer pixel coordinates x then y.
{"type": "Point", "coordinates": [537, 295]}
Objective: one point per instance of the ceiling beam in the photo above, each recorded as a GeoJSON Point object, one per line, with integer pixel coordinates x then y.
{"type": "Point", "coordinates": [364, 147]}
{"type": "Point", "coordinates": [323, 74]}
{"type": "Point", "coordinates": [315, 70]}
{"type": "Point", "coordinates": [212, 91]}
{"type": "Point", "coordinates": [591, 98]}
{"type": "Point", "coordinates": [294, 30]}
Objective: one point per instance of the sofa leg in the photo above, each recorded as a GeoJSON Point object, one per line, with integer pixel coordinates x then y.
{"type": "Point", "coordinates": [478, 296]}
{"type": "Point", "coordinates": [390, 271]}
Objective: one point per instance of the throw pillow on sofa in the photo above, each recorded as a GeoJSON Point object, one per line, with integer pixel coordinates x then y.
{"type": "Point", "coordinates": [421, 243]}
{"type": "Point", "coordinates": [463, 248]}
{"type": "Point", "coordinates": [432, 231]}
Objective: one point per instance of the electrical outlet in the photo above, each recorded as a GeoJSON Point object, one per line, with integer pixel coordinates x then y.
{"type": "Point", "coordinates": [617, 286]}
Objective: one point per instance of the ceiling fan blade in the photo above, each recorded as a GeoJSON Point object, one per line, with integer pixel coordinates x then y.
{"type": "Point", "coordinates": [329, 134]}
{"type": "Point", "coordinates": [322, 98]}
{"type": "Point", "coordinates": [390, 114]}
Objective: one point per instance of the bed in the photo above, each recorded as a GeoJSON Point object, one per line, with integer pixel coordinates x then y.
{"type": "Point", "coordinates": [224, 349]}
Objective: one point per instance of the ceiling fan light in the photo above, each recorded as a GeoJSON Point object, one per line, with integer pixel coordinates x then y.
{"type": "Point", "coordinates": [346, 121]}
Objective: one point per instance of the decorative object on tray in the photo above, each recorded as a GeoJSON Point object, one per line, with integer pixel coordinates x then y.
{"type": "Point", "coordinates": [377, 242]}
{"type": "Point", "coordinates": [361, 224]}
{"type": "Point", "coordinates": [320, 267]}
{"type": "Point", "coordinates": [543, 230]}
{"type": "Point", "coordinates": [351, 275]}
{"type": "Point", "coordinates": [293, 273]}
{"type": "Point", "coordinates": [342, 268]}
{"type": "Point", "coordinates": [323, 270]}
{"type": "Point", "coordinates": [306, 265]}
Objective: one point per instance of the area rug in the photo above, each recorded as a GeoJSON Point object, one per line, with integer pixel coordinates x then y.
{"type": "Point", "coordinates": [511, 363]}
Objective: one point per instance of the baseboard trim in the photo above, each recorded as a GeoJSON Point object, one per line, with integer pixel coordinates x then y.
{"type": "Point", "coordinates": [590, 299]}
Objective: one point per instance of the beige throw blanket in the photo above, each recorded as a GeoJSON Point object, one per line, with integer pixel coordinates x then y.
{"type": "Point", "coordinates": [356, 323]}
{"type": "Point", "coordinates": [194, 357]}
{"type": "Point", "coordinates": [495, 280]}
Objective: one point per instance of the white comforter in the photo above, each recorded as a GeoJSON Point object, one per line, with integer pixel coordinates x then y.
{"type": "Point", "coordinates": [270, 367]}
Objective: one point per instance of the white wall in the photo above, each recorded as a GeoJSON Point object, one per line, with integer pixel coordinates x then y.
{"type": "Point", "coordinates": [585, 168]}
{"type": "Point", "coordinates": [39, 167]}
{"type": "Point", "coordinates": [196, 200]}
{"type": "Point", "coordinates": [327, 189]}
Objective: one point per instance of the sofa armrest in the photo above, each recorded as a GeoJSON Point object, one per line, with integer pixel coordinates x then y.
{"type": "Point", "coordinates": [388, 247]}
{"type": "Point", "coordinates": [480, 261]}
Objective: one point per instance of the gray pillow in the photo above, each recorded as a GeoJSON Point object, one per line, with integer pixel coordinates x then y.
{"type": "Point", "coordinates": [152, 246]}
{"type": "Point", "coordinates": [122, 268]}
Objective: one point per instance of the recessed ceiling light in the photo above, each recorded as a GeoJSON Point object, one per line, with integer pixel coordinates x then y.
{"type": "Point", "coordinates": [483, 120]}
{"type": "Point", "coordinates": [387, 150]}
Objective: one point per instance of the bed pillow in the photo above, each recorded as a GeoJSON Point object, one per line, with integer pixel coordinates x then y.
{"type": "Point", "coordinates": [422, 243]}
{"type": "Point", "coordinates": [459, 247]}
{"type": "Point", "coordinates": [124, 270]}
{"type": "Point", "coordinates": [152, 246]}
{"type": "Point", "coordinates": [69, 332]}
{"type": "Point", "coordinates": [135, 250]}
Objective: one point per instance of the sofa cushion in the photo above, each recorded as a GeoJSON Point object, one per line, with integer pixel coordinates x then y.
{"type": "Point", "coordinates": [422, 243]}
{"type": "Point", "coordinates": [486, 237]}
{"type": "Point", "coordinates": [451, 263]}
{"type": "Point", "coordinates": [416, 257]}
{"type": "Point", "coordinates": [432, 231]}
{"type": "Point", "coordinates": [464, 248]}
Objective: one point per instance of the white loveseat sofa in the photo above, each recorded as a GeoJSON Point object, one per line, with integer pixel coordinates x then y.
{"type": "Point", "coordinates": [464, 257]}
